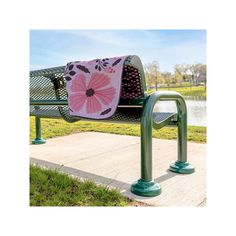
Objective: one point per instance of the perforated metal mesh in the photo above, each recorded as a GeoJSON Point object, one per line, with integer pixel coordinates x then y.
{"type": "Point", "coordinates": [132, 114]}
{"type": "Point", "coordinates": [42, 86]}
{"type": "Point", "coordinates": [49, 71]}
{"type": "Point", "coordinates": [159, 117]}
{"type": "Point", "coordinates": [131, 86]}
{"type": "Point", "coordinates": [45, 111]}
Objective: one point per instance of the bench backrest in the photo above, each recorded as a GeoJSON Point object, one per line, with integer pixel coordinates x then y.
{"type": "Point", "coordinates": [49, 84]}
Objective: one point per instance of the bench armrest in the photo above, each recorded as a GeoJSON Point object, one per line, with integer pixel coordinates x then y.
{"type": "Point", "coordinates": [147, 125]}
{"type": "Point", "coordinates": [152, 99]}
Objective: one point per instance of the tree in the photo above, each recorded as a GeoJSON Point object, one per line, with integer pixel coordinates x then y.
{"type": "Point", "coordinates": [181, 71]}
{"type": "Point", "coordinates": [198, 72]}
{"type": "Point", "coordinates": [167, 78]}
{"type": "Point", "coordinates": [194, 73]}
{"type": "Point", "coordinates": [152, 73]}
{"type": "Point", "coordinates": [178, 77]}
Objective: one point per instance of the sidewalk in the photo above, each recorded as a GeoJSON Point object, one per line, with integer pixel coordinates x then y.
{"type": "Point", "coordinates": [114, 160]}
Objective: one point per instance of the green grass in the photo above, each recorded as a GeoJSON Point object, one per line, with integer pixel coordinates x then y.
{"type": "Point", "coordinates": [199, 92]}
{"type": "Point", "coordinates": [51, 188]}
{"type": "Point", "coordinates": [57, 127]}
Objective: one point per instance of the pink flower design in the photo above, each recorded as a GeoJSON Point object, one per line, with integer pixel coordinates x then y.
{"type": "Point", "coordinates": [92, 94]}
{"type": "Point", "coordinates": [109, 70]}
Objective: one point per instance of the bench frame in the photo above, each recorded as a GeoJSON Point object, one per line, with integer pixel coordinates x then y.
{"type": "Point", "coordinates": [145, 186]}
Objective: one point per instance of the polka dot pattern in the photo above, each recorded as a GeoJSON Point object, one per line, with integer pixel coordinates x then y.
{"type": "Point", "coordinates": [131, 86]}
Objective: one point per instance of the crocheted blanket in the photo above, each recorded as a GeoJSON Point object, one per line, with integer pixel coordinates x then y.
{"type": "Point", "coordinates": [94, 87]}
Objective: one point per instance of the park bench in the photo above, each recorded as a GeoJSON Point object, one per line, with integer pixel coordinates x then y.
{"type": "Point", "coordinates": [48, 99]}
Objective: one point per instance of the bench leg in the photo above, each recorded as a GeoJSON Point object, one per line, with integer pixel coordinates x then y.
{"type": "Point", "coordinates": [146, 186]}
{"type": "Point", "coordinates": [181, 165]}
{"type": "Point", "coordinates": [38, 139]}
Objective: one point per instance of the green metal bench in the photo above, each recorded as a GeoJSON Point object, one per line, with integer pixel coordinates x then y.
{"type": "Point", "coordinates": [48, 99]}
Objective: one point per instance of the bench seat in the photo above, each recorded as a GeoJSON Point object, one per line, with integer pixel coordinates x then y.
{"type": "Point", "coordinates": [122, 115]}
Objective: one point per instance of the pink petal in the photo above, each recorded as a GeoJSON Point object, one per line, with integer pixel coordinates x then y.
{"type": "Point", "coordinates": [98, 80]}
{"type": "Point", "coordinates": [93, 105]}
{"type": "Point", "coordinates": [79, 84]}
{"type": "Point", "coordinates": [76, 101]}
{"type": "Point", "coordinates": [106, 95]}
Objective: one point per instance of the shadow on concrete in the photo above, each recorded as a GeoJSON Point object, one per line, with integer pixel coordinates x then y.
{"type": "Point", "coordinates": [165, 177]}
{"type": "Point", "coordinates": [112, 183]}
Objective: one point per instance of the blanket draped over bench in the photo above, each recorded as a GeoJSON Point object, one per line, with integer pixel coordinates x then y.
{"type": "Point", "coordinates": [94, 87]}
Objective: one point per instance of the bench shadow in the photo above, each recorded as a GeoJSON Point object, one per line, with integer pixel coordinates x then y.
{"type": "Point", "coordinates": [109, 182]}
{"type": "Point", "coordinates": [165, 176]}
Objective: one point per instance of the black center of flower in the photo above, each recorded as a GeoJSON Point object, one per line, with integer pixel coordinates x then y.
{"type": "Point", "coordinates": [90, 92]}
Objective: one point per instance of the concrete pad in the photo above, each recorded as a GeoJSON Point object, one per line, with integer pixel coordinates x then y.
{"type": "Point", "coordinates": [114, 160]}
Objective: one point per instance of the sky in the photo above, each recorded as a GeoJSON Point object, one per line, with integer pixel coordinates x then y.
{"type": "Point", "coordinates": [49, 48]}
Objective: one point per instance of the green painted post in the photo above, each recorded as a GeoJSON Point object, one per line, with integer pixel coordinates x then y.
{"type": "Point", "coordinates": [182, 131]}
{"type": "Point", "coordinates": [181, 165]}
{"type": "Point", "coordinates": [146, 186]}
{"type": "Point", "coordinates": [38, 139]}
